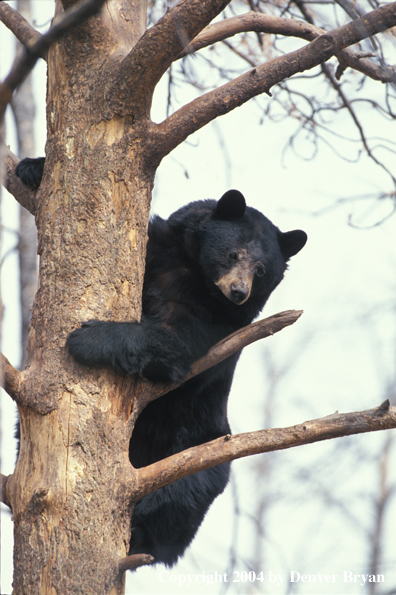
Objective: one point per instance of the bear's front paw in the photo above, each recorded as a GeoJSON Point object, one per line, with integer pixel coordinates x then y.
{"type": "Point", "coordinates": [85, 344]}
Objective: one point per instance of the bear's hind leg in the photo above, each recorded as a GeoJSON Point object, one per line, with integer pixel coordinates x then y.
{"type": "Point", "coordinates": [165, 522]}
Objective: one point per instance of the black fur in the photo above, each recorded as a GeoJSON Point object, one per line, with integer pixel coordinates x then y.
{"type": "Point", "coordinates": [30, 171]}
{"type": "Point", "coordinates": [184, 314]}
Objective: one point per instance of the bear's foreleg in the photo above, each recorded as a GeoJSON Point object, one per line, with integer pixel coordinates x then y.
{"type": "Point", "coordinates": [145, 348]}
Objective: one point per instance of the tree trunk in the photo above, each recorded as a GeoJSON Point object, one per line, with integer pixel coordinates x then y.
{"type": "Point", "coordinates": [70, 493]}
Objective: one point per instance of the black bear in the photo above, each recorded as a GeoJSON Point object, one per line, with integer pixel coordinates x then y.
{"type": "Point", "coordinates": [210, 268]}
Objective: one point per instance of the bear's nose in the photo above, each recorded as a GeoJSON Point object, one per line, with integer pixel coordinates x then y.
{"type": "Point", "coordinates": [239, 292]}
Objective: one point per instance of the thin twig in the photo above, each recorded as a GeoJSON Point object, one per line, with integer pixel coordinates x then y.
{"type": "Point", "coordinates": [347, 104]}
{"type": "Point", "coordinates": [287, 27]}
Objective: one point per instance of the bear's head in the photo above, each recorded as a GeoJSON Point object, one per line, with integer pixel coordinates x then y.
{"type": "Point", "coordinates": [241, 254]}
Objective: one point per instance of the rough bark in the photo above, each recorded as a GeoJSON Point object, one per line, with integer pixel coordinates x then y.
{"type": "Point", "coordinates": [91, 220]}
{"type": "Point", "coordinates": [33, 51]}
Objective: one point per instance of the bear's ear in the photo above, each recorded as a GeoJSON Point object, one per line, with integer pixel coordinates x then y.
{"type": "Point", "coordinates": [231, 205]}
{"type": "Point", "coordinates": [291, 242]}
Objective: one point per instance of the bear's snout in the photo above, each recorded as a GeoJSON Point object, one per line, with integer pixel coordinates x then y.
{"type": "Point", "coordinates": [239, 292]}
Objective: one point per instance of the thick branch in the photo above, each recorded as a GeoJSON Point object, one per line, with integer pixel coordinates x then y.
{"type": "Point", "coordinates": [228, 448]}
{"type": "Point", "coordinates": [24, 195]}
{"type": "Point", "coordinates": [11, 379]}
{"type": "Point", "coordinates": [252, 21]}
{"type": "Point", "coordinates": [25, 63]}
{"type": "Point", "coordinates": [175, 129]}
{"type": "Point", "coordinates": [219, 352]}
{"type": "Point", "coordinates": [269, 24]}
{"type": "Point", "coordinates": [161, 44]}
{"type": "Point", "coordinates": [22, 30]}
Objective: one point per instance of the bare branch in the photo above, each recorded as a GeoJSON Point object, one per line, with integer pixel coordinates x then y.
{"type": "Point", "coordinates": [161, 44]}
{"type": "Point", "coordinates": [134, 561]}
{"type": "Point", "coordinates": [243, 337]}
{"type": "Point", "coordinates": [269, 24]}
{"type": "Point", "coordinates": [252, 21]}
{"type": "Point", "coordinates": [347, 104]}
{"type": "Point", "coordinates": [25, 63]}
{"type": "Point", "coordinates": [11, 379]}
{"type": "Point", "coordinates": [24, 195]}
{"type": "Point", "coordinates": [22, 30]}
{"type": "Point", "coordinates": [360, 63]}
{"type": "Point", "coordinates": [228, 447]}
{"type": "Point", "coordinates": [177, 127]}
{"type": "Point", "coordinates": [219, 352]}
{"type": "Point", "coordinates": [3, 497]}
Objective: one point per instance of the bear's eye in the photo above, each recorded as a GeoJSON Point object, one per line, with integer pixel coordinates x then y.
{"type": "Point", "coordinates": [233, 256]}
{"type": "Point", "coordinates": [260, 272]}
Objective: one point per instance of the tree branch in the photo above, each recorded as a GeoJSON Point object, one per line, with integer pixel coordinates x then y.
{"type": "Point", "coordinates": [3, 497]}
{"type": "Point", "coordinates": [243, 337]}
{"type": "Point", "coordinates": [16, 23]}
{"type": "Point", "coordinates": [134, 561]}
{"type": "Point", "coordinates": [11, 380]}
{"type": "Point", "coordinates": [251, 21]}
{"type": "Point", "coordinates": [347, 104]}
{"type": "Point", "coordinates": [160, 45]}
{"type": "Point", "coordinates": [269, 24]}
{"type": "Point", "coordinates": [228, 448]}
{"type": "Point", "coordinates": [25, 63]}
{"type": "Point", "coordinates": [24, 195]}
{"type": "Point", "coordinates": [354, 60]}
{"type": "Point", "coordinates": [193, 116]}
{"type": "Point", "coordinates": [219, 352]}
